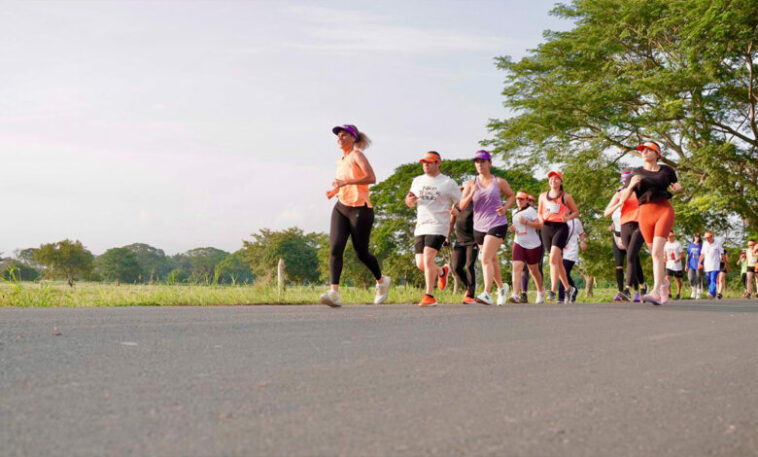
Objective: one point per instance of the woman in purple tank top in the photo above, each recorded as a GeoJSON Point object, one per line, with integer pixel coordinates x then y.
{"type": "Point", "coordinates": [490, 222]}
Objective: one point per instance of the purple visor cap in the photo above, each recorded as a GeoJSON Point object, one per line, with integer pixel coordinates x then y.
{"type": "Point", "coordinates": [483, 155]}
{"type": "Point", "coordinates": [624, 176]}
{"type": "Point", "coordinates": [348, 128]}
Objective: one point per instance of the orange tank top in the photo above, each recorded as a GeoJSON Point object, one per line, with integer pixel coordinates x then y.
{"type": "Point", "coordinates": [352, 194]}
{"type": "Point", "coordinates": [553, 210]}
{"type": "Point", "coordinates": [630, 210]}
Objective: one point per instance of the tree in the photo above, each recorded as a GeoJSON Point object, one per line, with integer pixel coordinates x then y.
{"type": "Point", "coordinates": [154, 264]}
{"type": "Point", "coordinates": [118, 264]}
{"type": "Point", "coordinates": [67, 259]}
{"type": "Point", "coordinates": [12, 269]}
{"type": "Point", "coordinates": [26, 257]}
{"type": "Point", "coordinates": [233, 269]}
{"type": "Point", "coordinates": [202, 263]}
{"type": "Point", "coordinates": [299, 251]}
{"type": "Point", "coordinates": [683, 73]}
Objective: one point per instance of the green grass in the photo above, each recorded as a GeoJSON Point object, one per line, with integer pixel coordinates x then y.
{"type": "Point", "coordinates": [59, 294]}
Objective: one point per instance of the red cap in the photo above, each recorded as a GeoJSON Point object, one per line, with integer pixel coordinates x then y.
{"type": "Point", "coordinates": [652, 145]}
{"type": "Point", "coordinates": [555, 173]}
{"type": "Point", "coordinates": [431, 157]}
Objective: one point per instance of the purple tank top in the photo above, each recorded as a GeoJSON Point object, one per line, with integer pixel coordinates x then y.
{"type": "Point", "coordinates": [485, 203]}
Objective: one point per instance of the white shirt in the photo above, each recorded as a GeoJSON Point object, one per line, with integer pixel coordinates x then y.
{"type": "Point", "coordinates": [616, 218]}
{"type": "Point", "coordinates": [672, 251]}
{"type": "Point", "coordinates": [711, 253]}
{"type": "Point", "coordinates": [526, 236]}
{"type": "Point", "coordinates": [571, 251]}
{"type": "Point", "coordinates": [435, 197]}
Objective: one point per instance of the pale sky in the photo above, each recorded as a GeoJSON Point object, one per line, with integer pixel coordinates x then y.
{"type": "Point", "coordinates": [186, 124]}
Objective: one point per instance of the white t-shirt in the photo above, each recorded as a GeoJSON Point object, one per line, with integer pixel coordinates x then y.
{"type": "Point", "coordinates": [672, 251]}
{"type": "Point", "coordinates": [526, 236]}
{"type": "Point", "coordinates": [616, 218]}
{"type": "Point", "coordinates": [571, 251]}
{"type": "Point", "coordinates": [435, 197]}
{"type": "Point", "coordinates": [712, 255]}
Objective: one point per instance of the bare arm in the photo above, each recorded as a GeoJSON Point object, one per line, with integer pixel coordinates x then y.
{"type": "Point", "coordinates": [505, 189]}
{"type": "Point", "coordinates": [365, 167]}
{"type": "Point", "coordinates": [613, 205]}
{"type": "Point", "coordinates": [469, 189]}
{"type": "Point", "coordinates": [573, 211]}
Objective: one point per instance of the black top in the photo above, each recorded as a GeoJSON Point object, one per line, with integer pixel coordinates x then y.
{"type": "Point", "coordinates": [464, 227]}
{"type": "Point", "coordinates": [654, 184]}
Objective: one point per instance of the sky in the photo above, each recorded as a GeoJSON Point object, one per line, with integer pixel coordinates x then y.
{"type": "Point", "coordinates": [185, 124]}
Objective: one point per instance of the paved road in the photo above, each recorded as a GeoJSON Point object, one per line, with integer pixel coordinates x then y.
{"type": "Point", "coordinates": [588, 380]}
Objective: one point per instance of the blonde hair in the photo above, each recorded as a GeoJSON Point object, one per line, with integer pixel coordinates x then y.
{"type": "Point", "coordinates": [363, 141]}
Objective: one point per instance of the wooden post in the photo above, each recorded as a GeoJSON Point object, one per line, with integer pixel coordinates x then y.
{"type": "Point", "coordinates": [280, 279]}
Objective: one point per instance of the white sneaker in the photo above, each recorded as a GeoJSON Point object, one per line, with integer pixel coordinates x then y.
{"type": "Point", "coordinates": [540, 298]}
{"type": "Point", "coordinates": [692, 295]}
{"type": "Point", "coordinates": [484, 298]}
{"type": "Point", "coordinates": [331, 298]}
{"type": "Point", "coordinates": [382, 290]}
{"type": "Point", "coordinates": [502, 294]}
{"type": "Point", "coordinates": [698, 293]}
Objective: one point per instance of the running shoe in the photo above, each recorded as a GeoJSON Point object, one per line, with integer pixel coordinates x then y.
{"type": "Point", "coordinates": [331, 298]}
{"type": "Point", "coordinates": [652, 298]}
{"type": "Point", "coordinates": [574, 295]}
{"type": "Point", "coordinates": [569, 293]}
{"type": "Point", "coordinates": [550, 296]}
{"type": "Point", "coordinates": [624, 295]}
{"type": "Point", "coordinates": [514, 299]}
{"type": "Point", "coordinates": [665, 291]}
{"type": "Point", "coordinates": [468, 300]}
{"type": "Point", "coordinates": [719, 296]}
{"type": "Point", "coordinates": [636, 297]}
{"type": "Point", "coordinates": [692, 295]}
{"type": "Point", "coordinates": [442, 280]}
{"type": "Point", "coordinates": [746, 295]}
{"type": "Point", "coordinates": [485, 299]}
{"type": "Point", "coordinates": [678, 297]}
{"type": "Point", "coordinates": [540, 298]}
{"type": "Point", "coordinates": [502, 294]}
{"type": "Point", "coordinates": [382, 290]}
{"type": "Point", "coordinates": [427, 300]}
{"type": "Point", "coordinates": [618, 297]}
{"type": "Point", "coordinates": [524, 298]}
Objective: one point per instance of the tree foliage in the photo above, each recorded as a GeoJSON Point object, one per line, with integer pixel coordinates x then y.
{"type": "Point", "coordinates": [118, 264]}
{"type": "Point", "coordinates": [233, 269]}
{"type": "Point", "coordinates": [154, 265]}
{"type": "Point", "coordinates": [299, 251]}
{"type": "Point", "coordinates": [683, 73]}
{"type": "Point", "coordinates": [65, 259]}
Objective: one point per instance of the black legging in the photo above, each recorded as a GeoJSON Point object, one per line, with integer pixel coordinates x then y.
{"type": "Point", "coordinates": [464, 266]}
{"type": "Point", "coordinates": [619, 256]}
{"type": "Point", "coordinates": [356, 223]}
{"type": "Point", "coordinates": [632, 239]}
{"type": "Point", "coordinates": [568, 265]}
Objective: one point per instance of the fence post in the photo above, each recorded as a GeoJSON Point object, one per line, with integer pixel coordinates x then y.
{"type": "Point", "coordinates": [280, 279]}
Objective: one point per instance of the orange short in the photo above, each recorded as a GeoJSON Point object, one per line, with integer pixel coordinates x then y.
{"type": "Point", "coordinates": [656, 219]}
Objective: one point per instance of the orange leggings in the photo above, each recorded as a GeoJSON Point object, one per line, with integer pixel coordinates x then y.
{"type": "Point", "coordinates": [656, 219]}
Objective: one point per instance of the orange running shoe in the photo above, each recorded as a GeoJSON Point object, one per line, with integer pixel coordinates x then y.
{"type": "Point", "coordinates": [468, 300]}
{"type": "Point", "coordinates": [427, 300]}
{"type": "Point", "coordinates": [442, 280]}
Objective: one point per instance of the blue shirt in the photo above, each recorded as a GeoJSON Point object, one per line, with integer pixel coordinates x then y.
{"type": "Point", "coordinates": [693, 255]}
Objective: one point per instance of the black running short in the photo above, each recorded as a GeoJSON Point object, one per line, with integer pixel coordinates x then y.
{"type": "Point", "coordinates": [500, 231]}
{"type": "Point", "coordinates": [433, 241]}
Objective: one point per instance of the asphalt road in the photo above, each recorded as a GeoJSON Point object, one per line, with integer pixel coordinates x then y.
{"type": "Point", "coordinates": [394, 380]}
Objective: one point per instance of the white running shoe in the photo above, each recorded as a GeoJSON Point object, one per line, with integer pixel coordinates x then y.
{"type": "Point", "coordinates": [692, 295]}
{"type": "Point", "coordinates": [382, 290]}
{"type": "Point", "coordinates": [502, 294]}
{"type": "Point", "coordinates": [331, 298]}
{"type": "Point", "coordinates": [540, 298]}
{"type": "Point", "coordinates": [698, 293]}
{"type": "Point", "coordinates": [484, 298]}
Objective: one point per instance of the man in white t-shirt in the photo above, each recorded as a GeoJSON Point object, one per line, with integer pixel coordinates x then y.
{"type": "Point", "coordinates": [710, 258]}
{"type": "Point", "coordinates": [434, 195]}
{"type": "Point", "coordinates": [674, 253]}
{"type": "Point", "coordinates": [576, 239]}
{"type": "Point", "coordinates": [527, 247]}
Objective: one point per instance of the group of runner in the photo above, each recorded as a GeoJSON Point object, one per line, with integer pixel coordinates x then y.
{"type": "Point", "coordinates": [477, 213]}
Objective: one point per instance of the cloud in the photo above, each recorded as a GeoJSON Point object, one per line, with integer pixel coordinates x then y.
{"type": "Point", "coordinates": [332, 30]}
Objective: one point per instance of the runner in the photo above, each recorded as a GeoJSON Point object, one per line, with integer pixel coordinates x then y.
{"type": "Point", "coordinates": [353, 215]}
{"type": "Point", "coordinates": [619, 250]}
{"type": "Point", "coordinates": [555, 209]}
{"type": "Point", "coordinates": [650, 183]}
{"type": "Point", "coordinates": [710, 257]}
{"type": "Point", "coordinates": [490, 222]}
{"type": "Point", "coordinates": [742, 263]}
{"type": "Point", "coordinates": [674, 253]}
{"type": "Point", "coordinates": [527, 248]}
{"type": "Point", "coordinates": [693, 272]}
{"type": "Point", "coordinates": [751, 258]}
{"type": "Point", "coordinates": [631, 237]}
{"type": "Point", "coordinates": [723, 271]}
{"type": "Point", "coordinates": [434, 196]}
{"type": "Point", "coordinates": [465, 251]}
{"type": "Point", "coordinates": [532, 201]}
{"type": "Point", "coordinates": [576, 239]}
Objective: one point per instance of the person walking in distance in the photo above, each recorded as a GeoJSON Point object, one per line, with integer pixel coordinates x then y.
{"type": "Point", "coordinates": [723, 271]}
{"type": "Point", "coordinates": [434, 195]}
{"type": "Point", "coordinates": [710, 258]}
{"type": "Point", "coordinates": [465, 251]}
{"type": "Point", "coordinates": [651, 183]}
{"type": "Point", "coordinates": [576, 240]}
{"type": "Point", "coordinates": [527, 248]}
{"type": "Point", "coordinates": [556, 208]}
{"type": "Point", "coordinates": [532, 201]}
{"type": "Point", "coordinates": [485, 191]}
{"type": "Point", "coordinates": [674, 253]}
{"type": "Point", "coordinates": [693, 271]}
{"type": "Point", "coordinates": [751, 259]}
{"type": "Point", "coordinates": [353, 215]}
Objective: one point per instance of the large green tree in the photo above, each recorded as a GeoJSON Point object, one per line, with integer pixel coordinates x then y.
{"type": "Point", "coordinates": [681, 72]}
{"type": "Point", "coordinates": [65, 259]}
{"type": "Point", "coordinates": [153, 262]}
{"type": "Point", "coordinates": [202, 263]}
{"type": "Point", "coordinates": [233, 269]}
{"type": "Point", "coordinates": [118, 264]}
{"type": "Point", "coordinates": [298, 249]}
